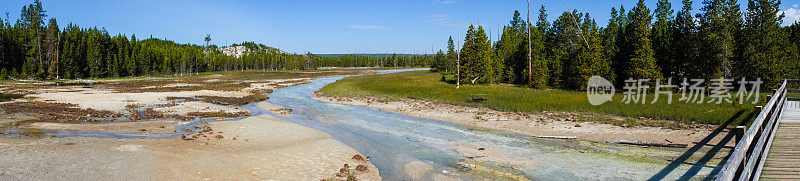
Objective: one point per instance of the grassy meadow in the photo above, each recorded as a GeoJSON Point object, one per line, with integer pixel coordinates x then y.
{"type": "Point", "coordinates": [427, 85]}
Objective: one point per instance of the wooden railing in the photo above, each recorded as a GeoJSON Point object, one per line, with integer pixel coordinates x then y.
{"type": "Point", "coordinates": [747, 159]}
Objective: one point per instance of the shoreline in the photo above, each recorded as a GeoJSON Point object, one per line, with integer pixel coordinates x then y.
{"type": "Point", "coordinates": [537, 125]}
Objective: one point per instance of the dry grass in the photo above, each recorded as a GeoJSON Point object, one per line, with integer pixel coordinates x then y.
{"type": "Point", "coordinates": [238, 101]}
{"type": "Point", "coordinates": [151, 114]}
{"type": "Point", "coordinates": [7, 97]}
{"type": "Point", "coordinates": [58, 112]}
{"type": "Point", "coordinates": [220, 114]}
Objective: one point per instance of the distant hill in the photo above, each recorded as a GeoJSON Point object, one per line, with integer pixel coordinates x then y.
{"type": "Point", "coordinates": [238, 50]}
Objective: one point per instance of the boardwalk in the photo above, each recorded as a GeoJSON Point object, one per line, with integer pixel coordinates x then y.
{"type": "Point", "coordinates": [783, 158]}
{"type": "Point", "coordinates": [770, 148]}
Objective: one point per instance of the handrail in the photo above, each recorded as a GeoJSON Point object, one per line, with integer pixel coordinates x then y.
{"type": "Point", "coordinates": [759, 153]}
{"type": "Point", "coordinates": [768, 143]}
{"type": "Point", "coordinates": [742, 161]}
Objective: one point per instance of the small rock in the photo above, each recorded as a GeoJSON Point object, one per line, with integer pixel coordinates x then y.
{"type": "Point", "coordinates": [343, 172]}
{"type": "Point", "coordinates": [481, 148]}
{"type": "Point", "coordinates": [361, 168]}
{"type": "Point", "coordinates": [358, 158]}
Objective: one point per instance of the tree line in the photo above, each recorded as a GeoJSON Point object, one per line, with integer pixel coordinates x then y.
{"type": "Point", "coordinates": [362, 60]}
{"type": "Point", "coordinates": [719, 42]}
{"type": "Point", "coordinates": [33, 49]}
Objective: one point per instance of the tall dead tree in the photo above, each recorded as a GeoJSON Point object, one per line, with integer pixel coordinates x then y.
{"type": "Point", "coordinates": [528, 29]}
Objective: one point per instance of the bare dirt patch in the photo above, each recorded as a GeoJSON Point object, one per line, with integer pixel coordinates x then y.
{"type": "Point", "coordinates": [287, 151]}
{"type": "Point", "coordinates": [150, 127]}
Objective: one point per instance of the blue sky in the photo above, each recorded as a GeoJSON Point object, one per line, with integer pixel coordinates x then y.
{"type": "Point", "coordinates": [356, 26]}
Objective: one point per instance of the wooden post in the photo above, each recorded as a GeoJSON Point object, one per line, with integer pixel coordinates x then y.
{"type": "Point", "coordinates": [738, 133]}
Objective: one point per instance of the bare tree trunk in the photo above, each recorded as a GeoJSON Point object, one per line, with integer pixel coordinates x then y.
{"type": "Point", "coordinates": [528, 29]}
{"type": "Point", "coordinates": [458, 65]}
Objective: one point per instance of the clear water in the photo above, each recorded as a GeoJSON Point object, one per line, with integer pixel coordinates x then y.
{"type": "Point", "coordinates": [392, 140]}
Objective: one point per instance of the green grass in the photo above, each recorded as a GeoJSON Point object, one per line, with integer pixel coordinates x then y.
{"type": "Point", "coordinates": [426, 85]}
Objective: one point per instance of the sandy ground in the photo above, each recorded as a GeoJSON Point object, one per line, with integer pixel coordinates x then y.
{"type": "Point", "coordinates": [529, 124]}
{"type": "Point", "coordinates": [144, 127]}
{"type": "Point", "coordinates": [114, 101]}
{"type": "Point", "coordinates": [103, 99]}
{"type": "Point", "coordinates": [255, 148]}
{"type": "Point", "coordinates": [194, 106]}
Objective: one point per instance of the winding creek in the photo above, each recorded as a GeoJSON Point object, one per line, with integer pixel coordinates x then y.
{"type": "Point", "coordinates": [393, 141]}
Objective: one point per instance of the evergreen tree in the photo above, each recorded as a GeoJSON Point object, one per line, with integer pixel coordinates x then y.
{"type": "Point", "coordinates": [794, 32]}
{"type": "Point", "coordinates": [512, 52]}
{"type": "Point", "coordinates": [662, 38]}
{"type": "Point", "coordinates": [541, 23]}
{"type": "Point", "coordinates": [12, 50]}
{"type": "Point", "coordinates": [439, 62]}
{"type": "Point", "coordinates": [3, 54]}
{"type": "Point", "coordinates": [719, 22]}
{"type": "Point", "coordinates": [579, 49]}
{"type": "Point", "coordinates": [685, 46]}
{"type": "Point", "coordinates": [94, 56]}
{"type": "Point", "coordinates": [451, 55]}
{"type": "Point", "coordinates": [32, 22]}
{"type": "Point", "coordinates": [765, 54]}
{"type": "Point", "coordinates": [539, 64]}
{"type": "Point", "coordinates": [593, 60]}
{"type": "Point", "coordinates": [52, 48]}
{"type": "Point", "coordinates": [120, 56]}
{"type": "Point", "coordinates": [638, 51]}
{"type": "Point", "coordinates": [611, 39]}
{"type": "Point", "coordinates": [615, 43]}
{"type": "Point", "coordinates": [794, 37]}
{"type": "Point", "coordinates": [478, 60]}
{"type": "Point", "coordinates": [133, 57]}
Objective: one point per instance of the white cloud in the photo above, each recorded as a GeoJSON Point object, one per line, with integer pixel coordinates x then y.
{"type": "Point", "coordinates": [441, 20]}
{"type": "Point", "coordinates": [443, 2]}
{"type": "Point", "coordinates": [792, 15]}
{"type": "Point", "coordinates": [366, 27]}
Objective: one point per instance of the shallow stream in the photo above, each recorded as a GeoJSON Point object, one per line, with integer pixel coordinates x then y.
{"type": "Point", "coordinates": [392, 140]}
